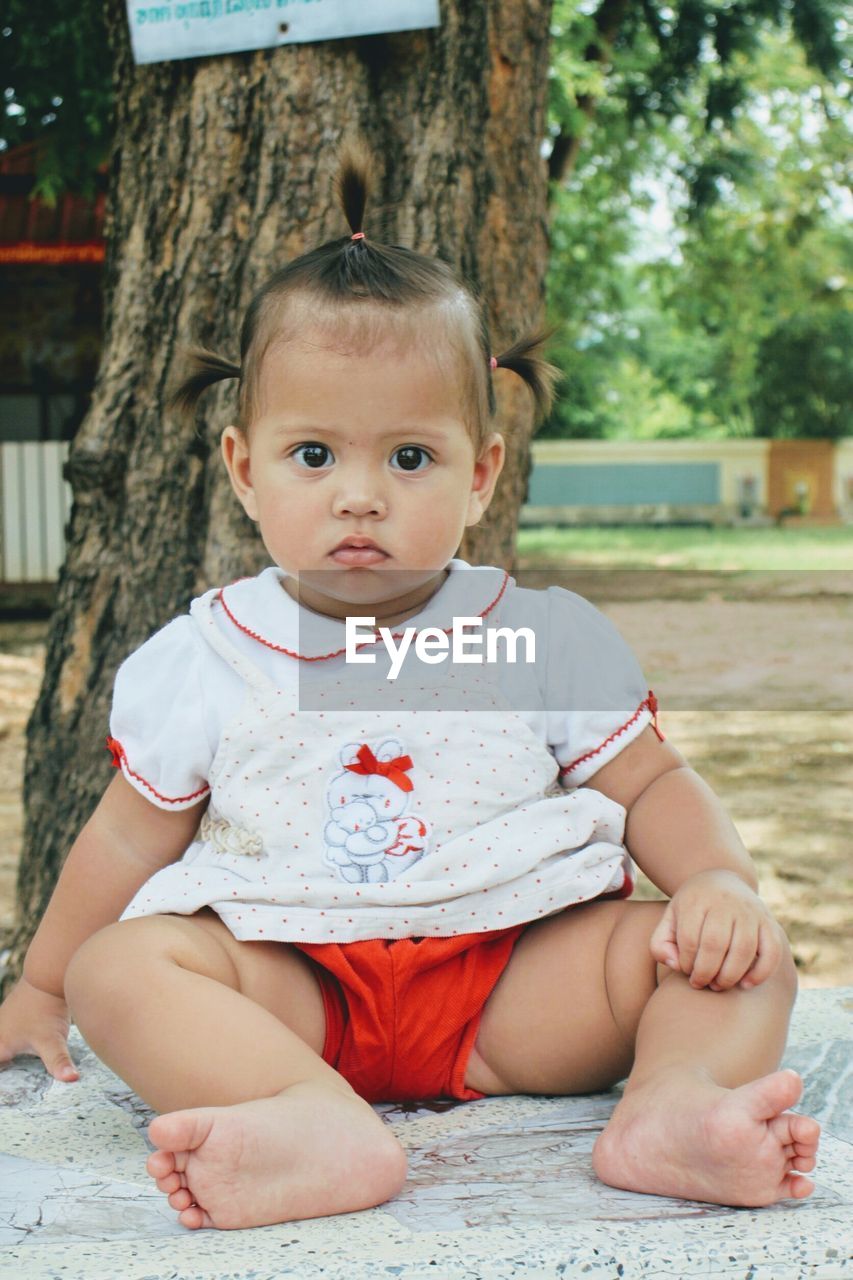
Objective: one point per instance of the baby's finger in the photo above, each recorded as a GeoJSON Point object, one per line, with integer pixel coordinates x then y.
{"type": "Point", "coordinates": [58, 1061]}
{"type": "Point", "coordinates": [743, 947]}
{"type": "Point", "coordinates": [689, 926]}
{"type": "Point", "coordinates": [662, 943]}
{"type": "Point", "coordinates": [713, 947]}
{"type": "Point", "coordinates": [768, 956]}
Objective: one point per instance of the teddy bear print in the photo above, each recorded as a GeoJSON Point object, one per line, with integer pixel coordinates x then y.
{"type": "Point", "coordinates": [370, 835]}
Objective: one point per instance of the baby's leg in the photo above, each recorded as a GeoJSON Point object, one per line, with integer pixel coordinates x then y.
{"type": "Point", "coordinates": [190, 1017]}
{"type": "Point", "coordinates": [704, 1114]}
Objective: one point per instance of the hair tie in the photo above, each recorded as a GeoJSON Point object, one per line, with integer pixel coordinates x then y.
{"type": "Point", "coordinates": [493, 362]}
{"type": "Point", "coordinates": [358, 235]}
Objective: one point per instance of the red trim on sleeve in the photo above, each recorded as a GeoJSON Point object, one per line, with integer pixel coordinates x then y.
{"type": "Point", "coordinates": [120, 762]}
{"type": "Point", "coordinates": [653, 707]}
{"type": "Point", "coordinates": [649, 701]}
{"type": "Point", "coordinates": [320, 657]}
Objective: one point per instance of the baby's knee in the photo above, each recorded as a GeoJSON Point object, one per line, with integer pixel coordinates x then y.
{"type": "Point", "coordinates": [630, 969]}
{"type": "Point", "coordinates": [632, 934]}
{"type": "Point", "coordinates": [786, 970]}
{"type": "Point", "coordinates": [95, 967]}
{"type": "Point", "coordinates": [103, 970]}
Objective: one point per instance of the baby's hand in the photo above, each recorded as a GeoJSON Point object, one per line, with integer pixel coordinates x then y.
{"type": "Point", "coordinates": [718, 932]}
{"type": "Point", "coordinates": [34, 1021]}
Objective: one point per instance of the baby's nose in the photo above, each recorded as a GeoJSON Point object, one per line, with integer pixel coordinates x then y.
{"type": "Point", "coordinates": [360, 497]}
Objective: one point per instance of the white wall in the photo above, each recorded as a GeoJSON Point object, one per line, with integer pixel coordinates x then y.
{"type": "Point", "coordinates": [35, 503]}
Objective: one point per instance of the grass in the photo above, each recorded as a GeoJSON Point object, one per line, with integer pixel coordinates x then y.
{"type": "Point", "coordinates": [642, 546]}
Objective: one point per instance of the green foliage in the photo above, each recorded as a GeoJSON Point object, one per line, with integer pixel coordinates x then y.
{"type": "Point", "coordinates": [739, 550]}
{"type": "Point", "coordinates": [55, 74]}
{"type": "Point", "coordinates": [725, 108]}
{"type": "Point", "coordinates": [804, 383]}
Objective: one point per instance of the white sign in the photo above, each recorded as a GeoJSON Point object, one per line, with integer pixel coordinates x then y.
{"type": "Point", "coordinates": [202, 28]}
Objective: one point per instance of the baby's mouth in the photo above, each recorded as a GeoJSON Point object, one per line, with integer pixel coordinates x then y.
{"type": "Point", "coordinates": [358, 552]}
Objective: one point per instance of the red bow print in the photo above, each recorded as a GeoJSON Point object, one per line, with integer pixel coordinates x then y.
{"type": "Point", "coordinates": [393, 769]}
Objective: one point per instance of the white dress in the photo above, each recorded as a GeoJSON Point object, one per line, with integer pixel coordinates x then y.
{"type": "Point", "coordinates": [339, 811]}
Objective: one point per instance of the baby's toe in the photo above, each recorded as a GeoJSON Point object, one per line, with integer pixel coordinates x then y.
{"type": "Point", "coordinates": [172, 1182]}
{"type": "Point", "coordinates": [792, 1131]}
{"type": "Point", "coordinates": [160, 1163]}
{"type": "Point", "coordinates": [181, 1198]}
{"type": "Point", "coordinates": [796, 1187]}
{"type": "Point", "coordinates": [803, 1164]}
{"type": "Point", "coordinates": [195, 1217]}
{"type": "Point", "coordinates": [805, 1133]}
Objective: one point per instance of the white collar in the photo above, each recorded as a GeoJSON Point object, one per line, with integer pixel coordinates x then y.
{"type": "Point", "coordinates": [262, 609]}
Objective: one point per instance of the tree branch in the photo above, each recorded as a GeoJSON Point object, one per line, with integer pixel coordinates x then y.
{"type": "Point", "coordinates": [608, 20]}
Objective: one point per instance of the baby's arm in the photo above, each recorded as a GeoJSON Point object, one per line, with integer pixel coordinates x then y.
{"type": "Point", "coordinates": [716, 929]}
{"type": "Point", "coordinates": [125, 841]}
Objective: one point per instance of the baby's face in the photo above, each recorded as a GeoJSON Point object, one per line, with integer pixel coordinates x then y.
{"type": "Point", "coordinates": [361, 475]}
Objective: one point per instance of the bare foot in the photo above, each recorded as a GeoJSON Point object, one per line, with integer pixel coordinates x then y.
{"type": "Point", "coordinates": [695, 1140]}
{"type": "Point", "coordinates": [307, 1152]}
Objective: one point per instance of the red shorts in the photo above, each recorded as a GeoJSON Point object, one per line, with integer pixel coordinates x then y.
{"type": "Point", "coordinates": [402, 1014]}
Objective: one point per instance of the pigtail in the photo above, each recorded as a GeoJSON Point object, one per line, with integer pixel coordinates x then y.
{"type": "Point", "coordinates": [205, 368]}
{"type": "Point", "coordinates": [525, 358]}
{"type": "Point", "coordinates": [354, 183]}
{"type": "Point", "coordinates": [358, 266]}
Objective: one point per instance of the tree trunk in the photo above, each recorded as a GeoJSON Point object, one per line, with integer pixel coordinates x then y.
{"type": "Point", "coordinates": [222, 171]}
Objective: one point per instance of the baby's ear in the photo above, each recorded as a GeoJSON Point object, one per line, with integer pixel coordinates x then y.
{"type": "Point", "coordinates": [235, 454]}
{"type": "Point", "coordinates": [389, 749]}
{"type": "Point", "coordinates": [487, 468]}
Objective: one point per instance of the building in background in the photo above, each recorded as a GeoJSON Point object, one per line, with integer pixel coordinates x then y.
{"type": "Point", "coordinates": [744, 481]}
{"type": "Point", "coordinates": [51, 265]}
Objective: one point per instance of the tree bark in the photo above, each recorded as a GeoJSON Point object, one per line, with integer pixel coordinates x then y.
{"type": "Point", "coordinates": [222, 171]}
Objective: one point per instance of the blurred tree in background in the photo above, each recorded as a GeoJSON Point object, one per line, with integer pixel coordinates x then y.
{"type": "Point", "coordinates": [804, 384]}
{"type": "Point", "coordinates": [56, 76]}
{"type": "Point", "coordinates": [702, 214]}
{"type": "Point", "coordinates": [697, 154]}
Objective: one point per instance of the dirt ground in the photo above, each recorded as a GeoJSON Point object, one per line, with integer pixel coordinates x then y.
{"type": "Point", "coordinates": [754, 677]}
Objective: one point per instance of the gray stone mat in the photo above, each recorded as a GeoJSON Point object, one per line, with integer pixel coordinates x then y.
{"type": "Point", "coordinates": [496, 1189]}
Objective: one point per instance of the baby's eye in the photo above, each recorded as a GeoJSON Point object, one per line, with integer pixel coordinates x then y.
{"type": "Point", "coordinates": [313, 455]}
{"type": "Point", "coordinates": [411, 457]}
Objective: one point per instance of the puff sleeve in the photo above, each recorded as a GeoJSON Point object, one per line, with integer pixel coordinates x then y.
{"type": "Point", "coordinates": [597, 699]}
{"type": "Point", "coordinates": [158, 732]}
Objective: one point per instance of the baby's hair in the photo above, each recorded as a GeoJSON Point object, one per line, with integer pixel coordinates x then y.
{"type": "Point", "coordinates": [346, 291]}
